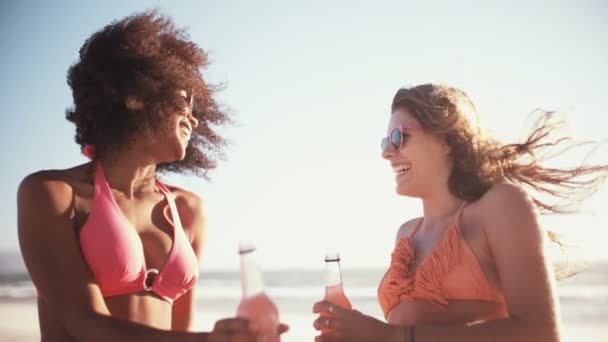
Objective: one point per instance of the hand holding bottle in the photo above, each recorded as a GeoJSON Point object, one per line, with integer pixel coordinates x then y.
{"type": "Point", "coordinates": [232, 330]}
{"type": "Point", "coordinates": [334, 290]}
{"type": "Point", "coordinates": [255, 304]}
{"type": "Point", "coordinates": [238, 330]}
{"type": "Point", "coordinates": [352, 326]}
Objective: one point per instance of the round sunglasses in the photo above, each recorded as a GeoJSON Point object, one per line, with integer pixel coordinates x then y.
{"type": "Point", "coordinates": [396, 138]}
{"type": "Point", "coordinates": [188, 100]}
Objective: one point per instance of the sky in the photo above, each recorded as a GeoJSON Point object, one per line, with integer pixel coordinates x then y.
{"type": "Point", "coordinates": [310, 85]}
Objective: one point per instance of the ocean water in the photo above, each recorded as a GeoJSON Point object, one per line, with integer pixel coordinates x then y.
{"type": "Point", "coordinates": [308, 285]}
{"type": "Point", "coordinates": [583, 297]}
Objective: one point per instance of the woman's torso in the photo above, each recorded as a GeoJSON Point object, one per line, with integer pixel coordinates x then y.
{"type": "Point", "coordinates": [485, 301]}
{"type": "Point", "coordinates": [145, 213]}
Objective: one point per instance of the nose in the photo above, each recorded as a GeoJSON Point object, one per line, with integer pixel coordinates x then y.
{"type": "Point", "coordinates": [388, 152]}
{"type": "Point", "coordinates": [193, 120]}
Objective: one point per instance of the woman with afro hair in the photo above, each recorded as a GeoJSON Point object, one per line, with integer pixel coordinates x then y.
{"type": "Point", "coordinates": [112, 251]}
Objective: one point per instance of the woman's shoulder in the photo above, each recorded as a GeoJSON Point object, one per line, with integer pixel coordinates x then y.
{"type": "Point", "coordinates": [504, 197]}
{"type": "Point", "coordinates": [190, 207]}
{"type": "Point", "coordinates": [49, 193]}
{"type": "Point", "coordinates": [56, 183]}
{"type": "Point", "coordinates": [186, 198]}
{"type": "Point", "coordinates": [68, 175]}
{"type": "Point", "coordinates": [407, 228]}
{"type": "Point", "coordinates": [502, 204]}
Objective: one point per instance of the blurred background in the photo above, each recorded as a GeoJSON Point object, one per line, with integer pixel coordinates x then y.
{"type": "Point", "coordinates": [310, 86]}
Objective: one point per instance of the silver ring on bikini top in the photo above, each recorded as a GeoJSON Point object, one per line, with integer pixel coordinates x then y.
{"type": "Point", "coordinates": [148, 272]}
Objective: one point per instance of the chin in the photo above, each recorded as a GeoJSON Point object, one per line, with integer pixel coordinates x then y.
{"type": "Point", "coordinates": [173, 155]}
{"type": "Point", "coordinates": [180, 156]}
{"type": "Point", "coordinates": [179, 152]}
{"type": "Point", "coordinates": [405, 190]}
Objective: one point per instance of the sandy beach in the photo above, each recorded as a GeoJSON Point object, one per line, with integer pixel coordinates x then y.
{"type": "Point", "coordinates": [583, 301]}
{"type": "Point", "coordinates": [19, 323]}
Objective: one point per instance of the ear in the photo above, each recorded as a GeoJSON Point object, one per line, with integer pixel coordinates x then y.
{"type": "Point", "coordinates": [134, 103]}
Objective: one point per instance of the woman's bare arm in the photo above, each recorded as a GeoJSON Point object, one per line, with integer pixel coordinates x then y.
{"type": "Point", "coordinates": [526, 276]}
{"type": "Point", "coordinates": [51, 252]}
{"type": "Point", "coordinates": [194, 221]}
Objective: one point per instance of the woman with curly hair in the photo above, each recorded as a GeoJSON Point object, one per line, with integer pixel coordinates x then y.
{"type": "Point", "coordinates": [112, 250]}
{"type": "Point", "coordinates": [473, 267]}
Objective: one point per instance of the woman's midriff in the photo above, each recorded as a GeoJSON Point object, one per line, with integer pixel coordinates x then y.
{"type": "Point", "coordinates": [412, 311]}
{"type": "Point", "coordinates": [144, 308]}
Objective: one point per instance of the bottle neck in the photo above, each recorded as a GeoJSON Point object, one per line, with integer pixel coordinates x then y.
{"type": "Point", "coordinates": [252, 282]}
{"type": "Point", "coordinates": [333, 275]}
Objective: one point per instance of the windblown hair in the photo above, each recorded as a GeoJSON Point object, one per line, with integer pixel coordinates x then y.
{"type": "Point", "coordinates": [143, 56]}
{"type": "Point", "coordinates": [481, 161]}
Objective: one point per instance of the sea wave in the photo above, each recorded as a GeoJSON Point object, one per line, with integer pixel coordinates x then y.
{"type": "Point", "coordinates": [232, 290]}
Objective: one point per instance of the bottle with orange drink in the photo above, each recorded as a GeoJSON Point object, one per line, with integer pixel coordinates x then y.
{"type": "Point", "coordinates": [334, 291]}
{"type": "Point", "coordinates": [255, 304]}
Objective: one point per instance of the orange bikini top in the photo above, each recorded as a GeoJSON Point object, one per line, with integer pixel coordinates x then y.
{"type": "Point", "coordinates": [451, 271]}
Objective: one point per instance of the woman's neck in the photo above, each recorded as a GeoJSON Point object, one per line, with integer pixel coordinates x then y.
{"type": "Point", "coordinates": [130, 172]}
{"type": "Point", "coordinates": [439, 208]}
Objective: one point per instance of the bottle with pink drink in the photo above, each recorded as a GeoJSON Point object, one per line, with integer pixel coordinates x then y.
{"type": "Point", "coordinates": [255, 304]}
{"type": "Point", "coordinates": [334, 291]}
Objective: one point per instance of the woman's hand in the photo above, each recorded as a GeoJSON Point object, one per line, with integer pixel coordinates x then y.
{"type": "Point", "coordinates": [353, 326]}
{"type": "Point", "coordinates": [238, 330]}
{"type": "Point", "coordinates": [233, 330]}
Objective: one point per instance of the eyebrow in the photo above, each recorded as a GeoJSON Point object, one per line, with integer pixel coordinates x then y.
{"type": "Point", "coordinates": [410, 126]}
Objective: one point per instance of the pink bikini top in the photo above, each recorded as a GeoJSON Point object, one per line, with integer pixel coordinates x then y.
{"type": "Point", "coordinates": [114, 252]}
{"type": "Point", "coordinates": [450, 272]}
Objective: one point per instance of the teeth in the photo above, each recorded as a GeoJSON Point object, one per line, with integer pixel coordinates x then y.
{"type": "Point", "coordinates": [186, 133]}
{"type": "Point", "coordinates": [401, 168]}
{"type": "Point", "coordinates": [185, 128]}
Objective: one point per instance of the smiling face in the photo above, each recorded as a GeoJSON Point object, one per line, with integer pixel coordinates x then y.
{"type": "Point", "coordinates": [185, 121]}
{"type": "Point", "coordinates": [169, 143]}
{"type": "Point", "coordinates": [422, 164]}
{"type": "Point", "coordinates": [182, 124]}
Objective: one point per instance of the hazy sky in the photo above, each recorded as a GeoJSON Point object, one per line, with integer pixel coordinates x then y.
{"type": "Point", "coordinates": [310, 84]}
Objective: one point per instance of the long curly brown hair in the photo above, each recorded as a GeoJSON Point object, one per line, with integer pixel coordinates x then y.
{"type": "Point", "coordinates": [146, 57]}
